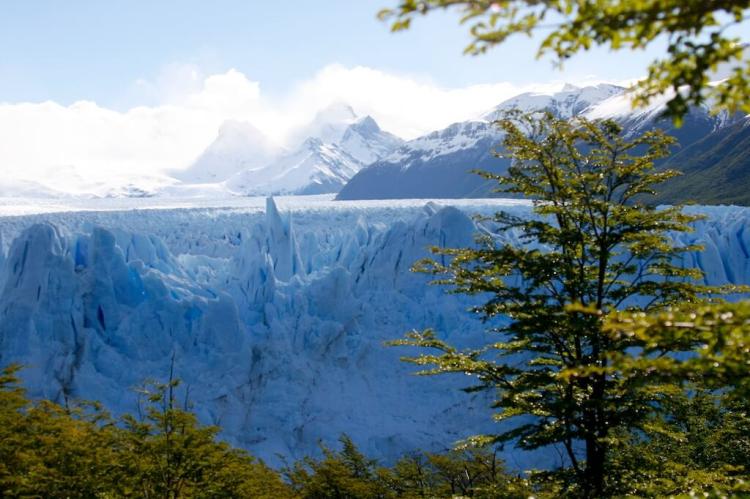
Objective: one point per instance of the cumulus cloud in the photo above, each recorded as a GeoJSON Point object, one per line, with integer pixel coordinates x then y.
{"type": "Point", "coordinates": [186, 108]}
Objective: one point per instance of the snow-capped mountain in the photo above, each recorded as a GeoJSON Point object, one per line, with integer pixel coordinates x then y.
{"type": "Point", "coordinates": [70, 181]}
{"type": "Point", "coordinates": [716, 167]}
{"type": "Point", "coordinates": [568, 102]}
{"type": "Point", "coordinates": [367, 142]}
{"type": "Point", "coordinates": [340, 145]}
{"type": "Point", "coordinates": [238, 145]}
{"type": "Point", "coordinates": [328, 125]}
{"type": "Point", "coordinates": [361, 137]}
{"type": "Point", "coordinates": [275, 320]}
{"type": "Point", "coordinates": [439, 164]}
{"type": "Point", "coordinates": [314, 168]}
{"type": "Point", "coordinates": [433, 166]}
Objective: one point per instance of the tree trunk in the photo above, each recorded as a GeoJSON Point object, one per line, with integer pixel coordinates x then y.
{"type": "Point", "coordinates": [595, 454]}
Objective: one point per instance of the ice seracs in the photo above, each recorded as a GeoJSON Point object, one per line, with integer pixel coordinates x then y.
{"type": "Point", "coordinates": [276, 321]}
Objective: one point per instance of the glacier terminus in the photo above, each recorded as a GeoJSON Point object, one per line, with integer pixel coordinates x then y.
{"type": "Point", "coordinates": [273, 312]}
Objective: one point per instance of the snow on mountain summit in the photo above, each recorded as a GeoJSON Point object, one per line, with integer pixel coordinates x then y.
{"type": "Point", "coordinates": [367, 142]}
{"type": "Point", "coordinates": [445, 157]}
{"type": "Point", "coordinates": [570, 101]}
{"type": "Point", "coordinates": [238, 145]}
{"type": "Point", "coordinates": [328, 125]}
{"type": "Point", "coordinates": [315, 168]}
{"type": "Point", "coordinates": [339, 144]}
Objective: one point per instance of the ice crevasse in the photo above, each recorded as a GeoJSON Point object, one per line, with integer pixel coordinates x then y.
{"type": "Point", "coordinates": [275, 321]}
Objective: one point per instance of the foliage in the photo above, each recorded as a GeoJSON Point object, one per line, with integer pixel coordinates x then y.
{"type": "Point", "coordinates": [697, 33]}
{"type": "Point", "coordinates": [349, 474]}
{"type": "Point", "coordinates": [469, 473]}
{"type": "Point", "coordinates": [700, 448]}
{"type": "Point", "coordinates": [714, 341]}
{"type": "Point", "coordinates": [168, 454]}
{"type": "Point", "coordinates": [593, 248]}
{"type": "Point", "coordinates": [47, 450]}
{"type": "Point", "coordinates": [343, 474]}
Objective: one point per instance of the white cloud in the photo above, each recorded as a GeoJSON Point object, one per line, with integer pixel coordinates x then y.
{"type": "Point", "coordinates": [187, 107]}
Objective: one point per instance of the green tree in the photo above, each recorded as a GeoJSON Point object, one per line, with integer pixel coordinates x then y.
{"type": "Point", "coordinates": [346, 474]}
{"type": "Point", "coordinates": [713, 340]}
{"type": "Point", "coordinates": [12, 402]}
{"type": "Point", "coordinates": [47, 450]}
{"type": "Point", "coordinates": [592, 248]}
{"type": "Point", "coordinates": [702, 444]}
{"type": "Point", "coordinates": [698, 36]}
{"type": "Point", "coordinates": [469, 473]}
{"type": "Point", "coordinates": [167, 454]}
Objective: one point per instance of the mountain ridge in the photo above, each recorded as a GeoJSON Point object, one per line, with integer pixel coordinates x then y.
{"type": "Point", "coordinates": [432, 166]}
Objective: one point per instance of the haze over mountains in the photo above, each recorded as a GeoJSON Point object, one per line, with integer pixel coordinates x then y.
{"type": "Point", "coordinates": [340, 152]}
{"type": "Point", "coordinates": [336, 146]}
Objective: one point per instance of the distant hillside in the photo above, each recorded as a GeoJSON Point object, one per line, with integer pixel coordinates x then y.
{"type": "Point", "coordinates": [716, 169]}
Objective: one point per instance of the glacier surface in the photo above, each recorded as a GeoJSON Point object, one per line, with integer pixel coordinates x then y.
{"type": "Point", "coordinates": [275, 313]}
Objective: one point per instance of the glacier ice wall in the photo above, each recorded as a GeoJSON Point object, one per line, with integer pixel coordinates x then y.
{"type": "Point", "coordinates": [275, 320]}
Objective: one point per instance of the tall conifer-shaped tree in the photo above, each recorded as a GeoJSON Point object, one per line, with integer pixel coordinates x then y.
{"type": "Point", "coordinates": [592, 246]}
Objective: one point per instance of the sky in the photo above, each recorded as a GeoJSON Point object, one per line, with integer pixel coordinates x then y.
{"type": "Point", "coordinates": [122, 85]}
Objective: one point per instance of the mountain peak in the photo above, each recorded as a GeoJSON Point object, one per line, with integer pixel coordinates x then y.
{"type": "Point", "coordinates": [366, 125]}
{"type": "Point", "coordinates": [237, 127]}
{"type": "Point", "coordinates": [570, 101]}
{"type": "Point", "coordinates": [312, 143]}
{"type": "Point", "coordinates": [336, 111]}
{"type": "Point", "coordinates": [238, 145]}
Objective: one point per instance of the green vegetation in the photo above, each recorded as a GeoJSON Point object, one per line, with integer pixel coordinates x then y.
{"type": "Point", "coordinates": [698, 34]}
{"type": "Point", "coordinates": [47, 450]}
{"type": "Point", "coordinates": [716, 169]}
{"type": "Point", "coordinates": [349, 474]}
{"type": "Point", "coordinates": [51, 451]}
{"type": "Point", "coordinates": [562, 373]}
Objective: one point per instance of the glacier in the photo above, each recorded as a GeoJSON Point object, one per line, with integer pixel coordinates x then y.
{"type": "Point", "coordinates": [274, 313]}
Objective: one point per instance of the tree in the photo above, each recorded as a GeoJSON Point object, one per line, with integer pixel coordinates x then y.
{"type": "Point", "coordinates": [338, 475]}
{"type": "Point", "coordinates": [47, 450]}
{"type": "Point", "coordinates": [702, 446]}
{"type": "Point", "coordinates": [592, 247]}
{"type": "Point", "coordinates": [713, 340]}
{"type": "Point", "coordinates": [698, 35]}
{"type": "Point", "coordinates": [350, 474]}
{"type": "Point", "coordinates": [168, 454]}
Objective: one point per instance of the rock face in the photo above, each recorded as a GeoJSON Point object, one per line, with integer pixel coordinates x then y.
{"type": "Point", "coordinates": [275, 321]}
